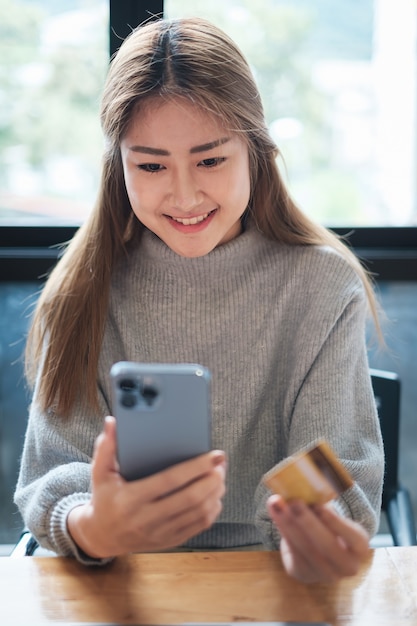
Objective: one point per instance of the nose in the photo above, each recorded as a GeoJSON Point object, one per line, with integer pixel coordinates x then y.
{"type": "Point", "coordinates": [185, 191]}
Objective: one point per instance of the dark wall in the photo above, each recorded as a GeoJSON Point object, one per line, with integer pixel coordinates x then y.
{"type": "Point", "coordinates": [16, 300]}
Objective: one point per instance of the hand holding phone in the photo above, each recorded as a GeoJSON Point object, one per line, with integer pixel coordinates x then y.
{"type": "Point", "coordinates": [145, 515]}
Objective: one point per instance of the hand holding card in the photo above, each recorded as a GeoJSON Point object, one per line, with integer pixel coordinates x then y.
{"type": "Point", "coordinates": [315, 476]}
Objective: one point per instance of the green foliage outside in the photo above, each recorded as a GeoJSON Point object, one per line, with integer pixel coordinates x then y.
{"type": "Point", "coordinates": [49, 96]}
{"type": "Point", "coordinates": [282, 39]}
{"type": "Point", "coordinates": [56, 115]}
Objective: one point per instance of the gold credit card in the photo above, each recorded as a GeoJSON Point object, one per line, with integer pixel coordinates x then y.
{"type": "Point", "coordinates": [315, 475]}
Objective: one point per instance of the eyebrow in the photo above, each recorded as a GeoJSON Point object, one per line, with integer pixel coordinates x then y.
{"type": "Point", "coordinates": [201, 148]}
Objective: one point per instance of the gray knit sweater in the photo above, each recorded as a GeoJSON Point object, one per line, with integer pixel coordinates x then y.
{"type": "Point", "coordinates": [282, 329]}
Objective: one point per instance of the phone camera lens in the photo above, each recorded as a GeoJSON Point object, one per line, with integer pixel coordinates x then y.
{"type": "Point", "coordinates": [129, 395]}
{"type": "Point", "coordinates": [127, 384]}
{"type": "Point", "coordinates": [149, 394]}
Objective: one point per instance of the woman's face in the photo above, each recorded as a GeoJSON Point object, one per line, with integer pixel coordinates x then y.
{"type": "Point", "coordinates": [186, 176]}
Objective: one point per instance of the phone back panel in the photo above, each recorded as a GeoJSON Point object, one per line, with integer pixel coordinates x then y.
{"type": "Point", "coordinates": [163, 415]}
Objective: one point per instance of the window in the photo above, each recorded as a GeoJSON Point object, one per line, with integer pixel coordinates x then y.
{"type": "Point", "coordinates": [53, 61]}
{"type": "Point", "coordinates": [338, 80]}
{"type": "Point", "coordinates": [339, 88]}
{"type": "Point", "coordinates": [336, 168]}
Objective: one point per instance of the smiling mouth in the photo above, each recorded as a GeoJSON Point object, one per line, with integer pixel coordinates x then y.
{"type": "Point", "coordinates": [190, 221]}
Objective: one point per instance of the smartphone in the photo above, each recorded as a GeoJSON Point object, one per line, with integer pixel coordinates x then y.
{"type": "Point", "coordinates": [163, 415]}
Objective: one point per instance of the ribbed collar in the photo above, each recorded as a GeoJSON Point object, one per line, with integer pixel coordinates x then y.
{"type": "Point", "coordinates": [240, 252]}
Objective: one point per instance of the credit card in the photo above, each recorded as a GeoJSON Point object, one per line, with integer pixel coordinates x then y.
{"type": "Point", "coordinates": [314, 475]}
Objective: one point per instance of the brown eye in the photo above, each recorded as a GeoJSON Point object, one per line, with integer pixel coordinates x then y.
{"type": "Point", "coordinates": [212, 162]}
{"type": "Point", "coordinates": [150, 167]}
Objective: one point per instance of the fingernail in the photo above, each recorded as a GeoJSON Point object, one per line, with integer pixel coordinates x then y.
{"type": "Point", "coordinates": [108, 421]}
{"type": "Point", "coordinates": [277, 504]}
{"type": "Point", "coordinates": [218, 457]}
{"type": "Point", "coordinates": [277, 507]}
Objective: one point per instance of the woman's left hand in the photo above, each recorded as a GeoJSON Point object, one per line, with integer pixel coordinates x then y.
{"type": "Point", "coordinates": [317, 544]}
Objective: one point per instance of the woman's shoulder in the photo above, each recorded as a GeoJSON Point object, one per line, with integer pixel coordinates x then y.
{"type": "Point", "coordinates": [313, 257]}
{"type": "Point", "coordinates": [316, 268]}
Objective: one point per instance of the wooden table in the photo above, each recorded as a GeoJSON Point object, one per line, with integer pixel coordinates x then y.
{"type": "Point", "coordinates": [205, 587]}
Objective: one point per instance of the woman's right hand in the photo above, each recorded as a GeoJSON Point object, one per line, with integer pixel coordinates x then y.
{"type": "Point", "coordinates": [151, 514]}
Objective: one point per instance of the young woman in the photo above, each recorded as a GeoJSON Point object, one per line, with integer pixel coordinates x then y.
{"type": "Point", "coordinates": [195, 252]}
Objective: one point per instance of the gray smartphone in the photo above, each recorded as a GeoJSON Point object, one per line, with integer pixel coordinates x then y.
{"type": "Point", "coordinates": [163, 415]}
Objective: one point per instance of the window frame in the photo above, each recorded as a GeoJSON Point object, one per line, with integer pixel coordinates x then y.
{"type": "Point", "coordinates": [30, 252]}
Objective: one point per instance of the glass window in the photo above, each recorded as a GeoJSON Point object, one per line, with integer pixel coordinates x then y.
{"type": "Point", "coordinates": [53, 60]}
{"type": "Point", "coordinates": [338, 79]}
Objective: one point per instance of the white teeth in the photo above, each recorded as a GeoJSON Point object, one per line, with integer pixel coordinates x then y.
{"type": "Point", "coordinates": [188, 221]}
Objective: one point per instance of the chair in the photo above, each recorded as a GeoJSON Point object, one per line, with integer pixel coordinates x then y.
{"type": "Point", "coordinates": [396, 501]}
{"type": "Point", "coordinates": [25, 546]}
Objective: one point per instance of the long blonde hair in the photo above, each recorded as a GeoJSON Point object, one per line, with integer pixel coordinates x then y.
{"type": "Point", "coordinates": [190, 58]}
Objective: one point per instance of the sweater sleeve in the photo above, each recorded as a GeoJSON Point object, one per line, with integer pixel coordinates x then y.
{"type": "Point", "coordinates": [55, 474]}
{"type": "Point", "coordinates": [335, 401]}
